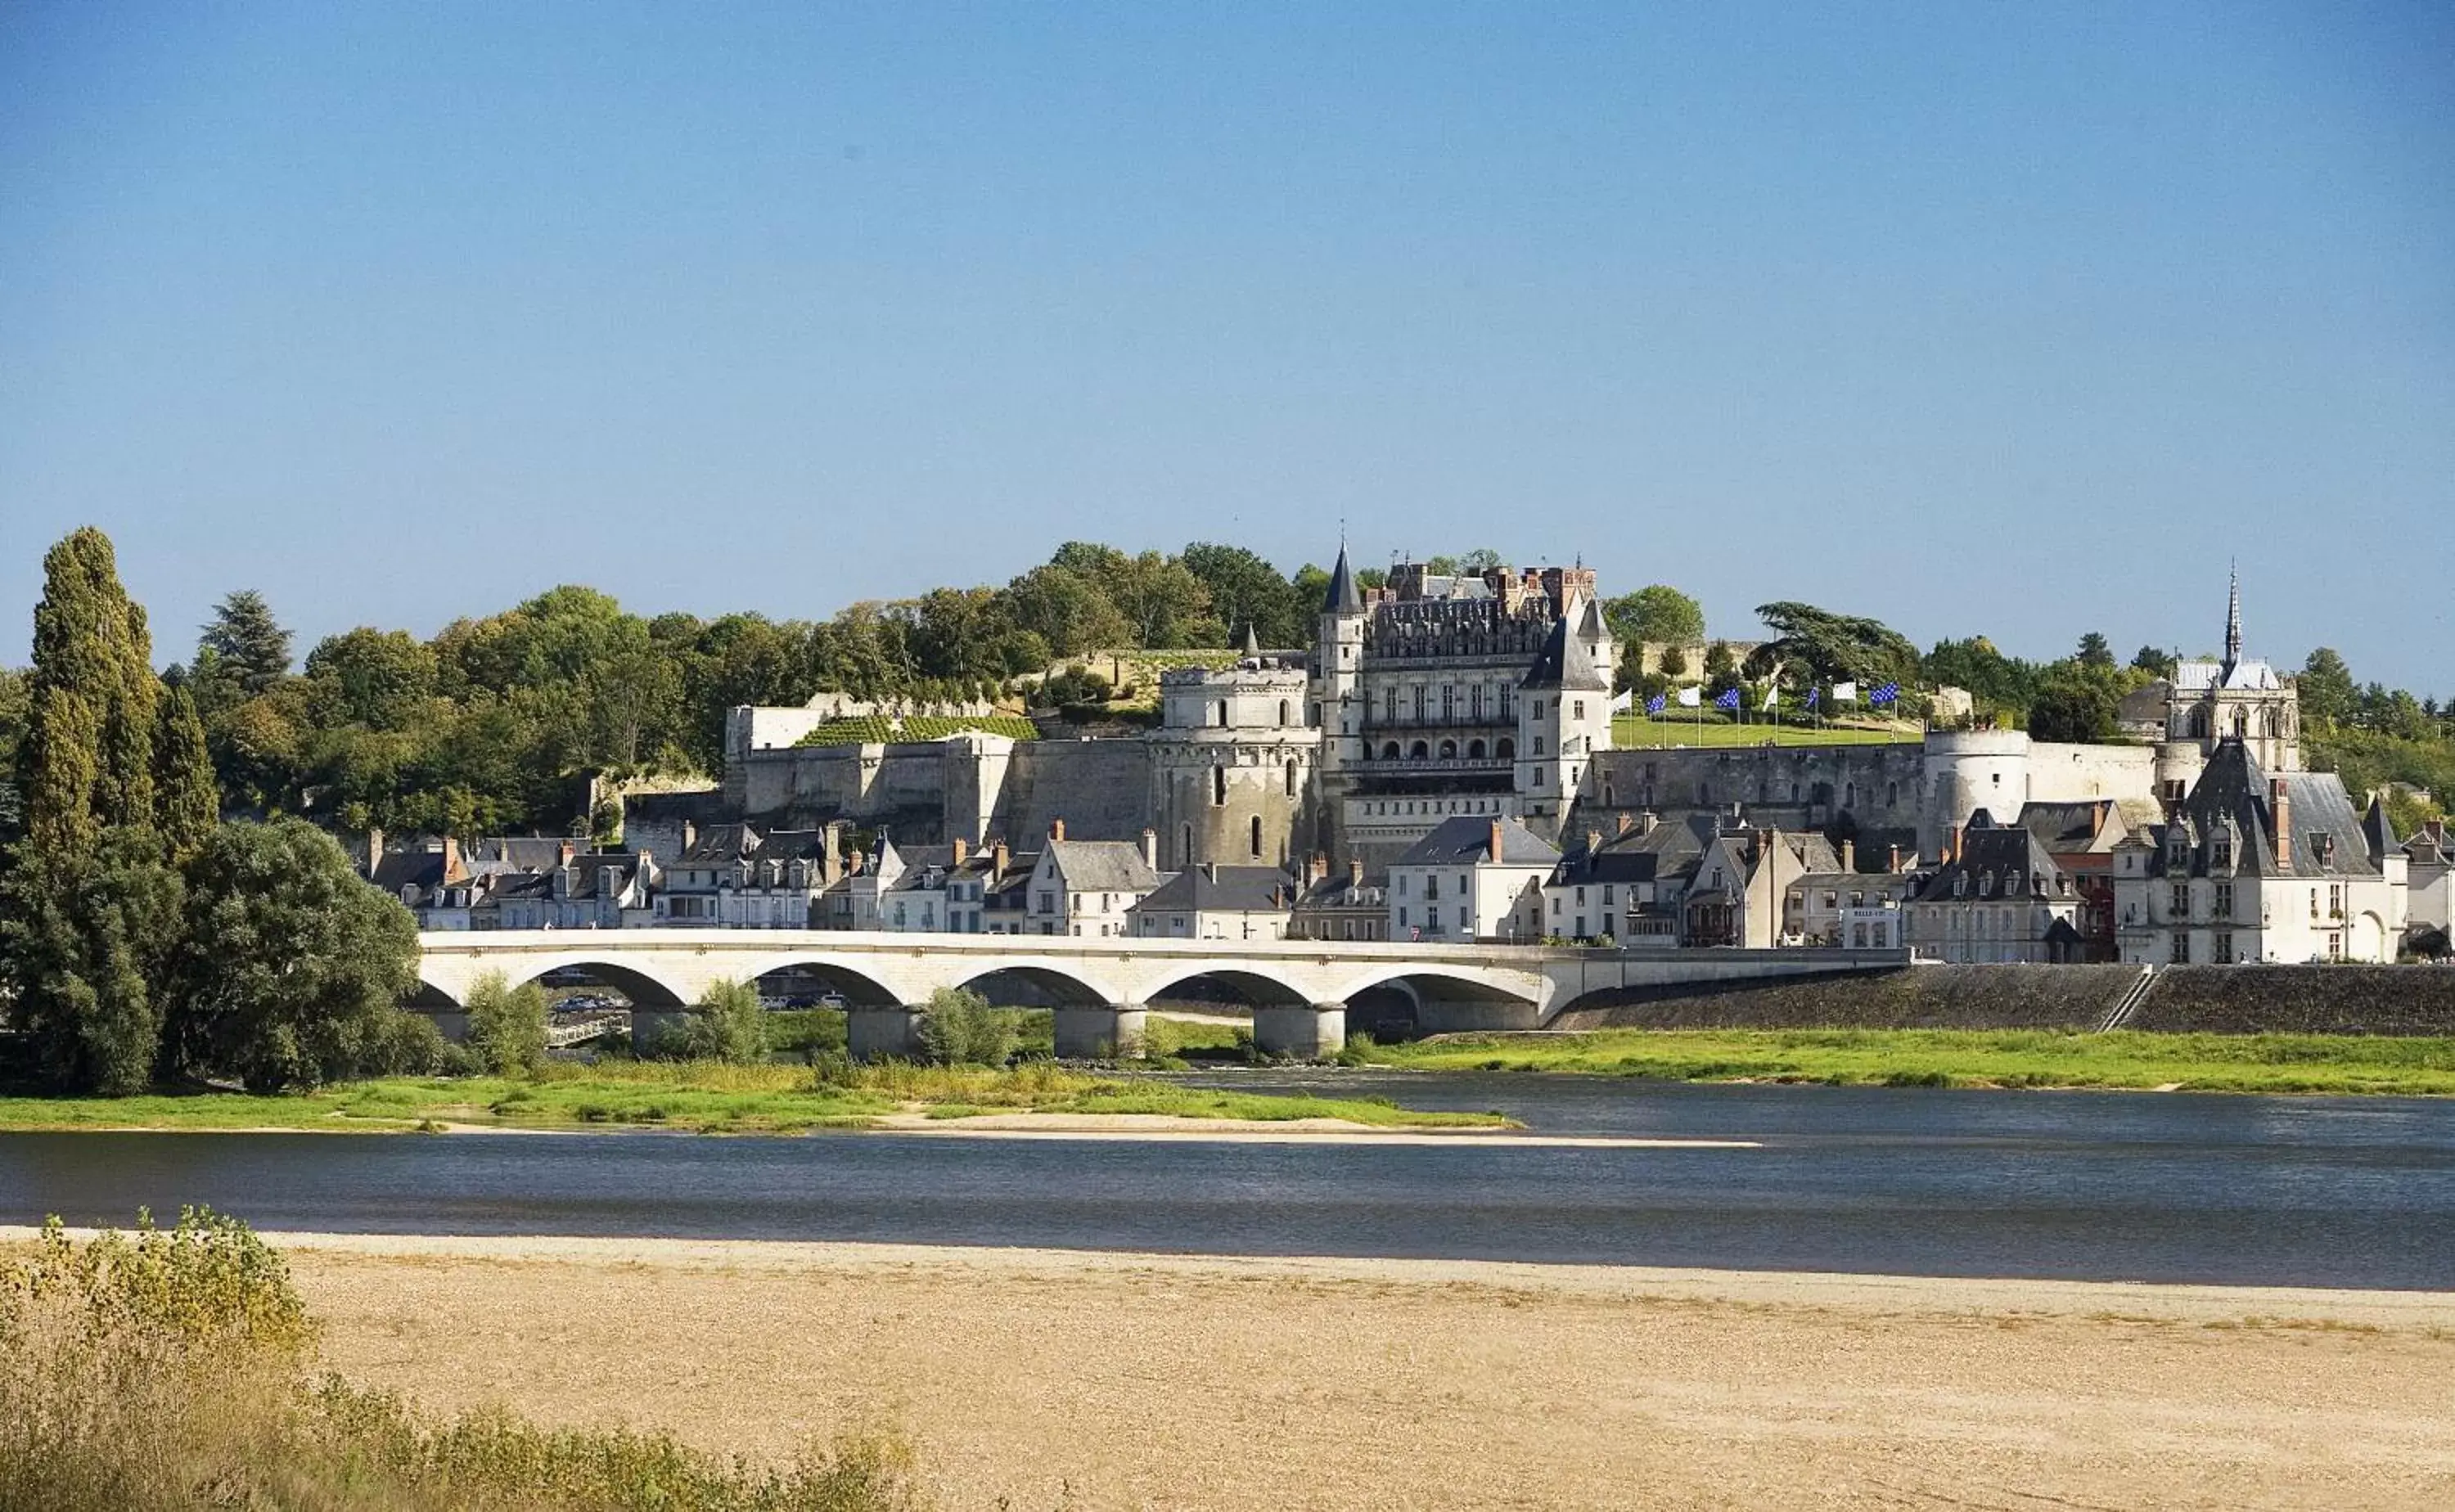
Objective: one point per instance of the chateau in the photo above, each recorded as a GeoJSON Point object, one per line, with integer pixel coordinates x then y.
{"type": "Point", "coordinates": [1480, 704]}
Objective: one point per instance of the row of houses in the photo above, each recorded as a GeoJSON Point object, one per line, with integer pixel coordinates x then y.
{"type": "Point", "coordinates": [2245, 867]}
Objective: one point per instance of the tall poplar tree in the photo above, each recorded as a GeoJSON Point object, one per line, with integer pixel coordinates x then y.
{"type": "Point", "coordinates": [89, 906]}
{"type": "Point", "coordinates": [188, 803]}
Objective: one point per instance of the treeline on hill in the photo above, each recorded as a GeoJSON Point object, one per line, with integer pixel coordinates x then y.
{"type": "Point", "coordinates": [493, 724]}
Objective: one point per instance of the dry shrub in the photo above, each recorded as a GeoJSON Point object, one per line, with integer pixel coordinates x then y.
{"type": "Point", "coordinates": [169, 1370]}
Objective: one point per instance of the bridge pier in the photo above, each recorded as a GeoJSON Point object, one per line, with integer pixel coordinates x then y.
{"type": "Point", "coordinates": [883, 1032]}
{"type": "Point", "coordinates": [1113, 1031]}
{"type": "Point", "coordinates": [1301, 1031]}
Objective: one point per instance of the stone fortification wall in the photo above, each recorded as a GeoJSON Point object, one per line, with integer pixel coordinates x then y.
{"type": "Point", "coordinates": [2300, 999]}
{"type": "Point", "coordinates": [1876, 785]}
{"type": "Point", "coordinates": [1912, 998]}
{"type": "Point", "coordinates": [1100, 788]}
{"type": "Point", "coordinates": [867, 784]}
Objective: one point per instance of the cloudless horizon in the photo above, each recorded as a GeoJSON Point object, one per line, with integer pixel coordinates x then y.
{"type": "Point", "coordinates": [2018, 321]}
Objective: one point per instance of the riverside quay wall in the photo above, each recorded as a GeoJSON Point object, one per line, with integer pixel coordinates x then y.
{"type": "Point", "coordinates": [2219, 999]}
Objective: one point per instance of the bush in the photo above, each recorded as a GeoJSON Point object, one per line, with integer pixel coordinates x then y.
{"type": "Point", "coordinates": [412, 1046]}
{"type": "Point", "coordinates": [960, 1028]}
{"type": "Point", "coordinates": [507, 1025]}
{"type": "Point", "coordinates": [728, 1023]}
{"type": "Point", "coordinates": [170, 1372]}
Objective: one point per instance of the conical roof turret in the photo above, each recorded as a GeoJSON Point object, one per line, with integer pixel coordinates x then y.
{"type": "Point", "coordinates": [1342, 597]}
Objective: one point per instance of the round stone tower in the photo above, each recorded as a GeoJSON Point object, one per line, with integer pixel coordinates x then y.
{"type": "Point", "coordinates": [1967, 771]}
{"type": "Point", "coordinates": [1233, 765]}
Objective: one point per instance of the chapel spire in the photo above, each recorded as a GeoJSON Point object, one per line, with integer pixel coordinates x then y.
{"type": "Point", "coordinates": [2233, 622]}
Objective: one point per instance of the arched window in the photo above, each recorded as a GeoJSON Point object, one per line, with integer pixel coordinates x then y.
{"type": "Point", "coordinates": [1449, 750]}
{"type": "Point", "coordinates": [1475, 750]}
{"type": "Point", "coordinates": [1891, 794]}
{"type": "Point", "coordinates": [1283, 711]}
{"type": "Point", "coordinates": [1506, 750]}
{"type": "Point", "coordinates": [1849, 795]}
{"type": "Point", "coordinates": [1219, 712]}
{"type": "Point", "coordinates": [1291, 779]}
{"type": "Point", "coordinates": [1257, 837]}
{"type": "Point", "coordinates": [1218, 787]}
{"type": "Point", "coordinates": [1185, 857]}
{"type": "Point", "coordinates": [1389, 751]}
{"type": "Point", "coordinates": [1419, 750]}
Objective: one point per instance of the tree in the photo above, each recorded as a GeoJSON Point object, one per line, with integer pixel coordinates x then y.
{"type": "Point", "coordinates": [2325, 688]}
{"type": "Point", "coordinates": [1478, 561]}
{"type": "Point", "coordinates": [91, 648]}
{"type": "Point", "coordinates": [292, 971]}
{"type": "Point", "coordinates": [507, 1025]}
{"type": "Point", "coordinates": [2152, 661]}
{"type": "Point", "coordinates": [188, 803]}
{"type": "Point", "coordinates": [1658, 612]}
{"type": "Point", "coordinates": [1835, 648]}
{"type": "Point", "coordinates": [2094, 652]}
{"type": "Point", "coordinates": [1243, 590]}
{"type": "Point", "coordinates": [1068, 611]}
{"type": "Point", "coordinates": [2071, 710]}
{"type": "Point", "coordinates": [379, 678]}
{"type": "Point", "coordinates": [246, 641]}
{"type": "Point", "coordinates": [958, 1028]}
{"type": "Point", "coordinates": [86, 938]}
{"type": "Point", "coordinates": [728, 1023]}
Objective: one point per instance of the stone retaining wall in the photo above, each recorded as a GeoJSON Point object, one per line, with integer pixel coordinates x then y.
{"type": "Point", "coordinates": [1912, 998]}
{"type": "Point", "coordinates": [2302, 999]}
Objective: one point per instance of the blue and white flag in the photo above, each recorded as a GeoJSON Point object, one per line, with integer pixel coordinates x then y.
{"type": "Point", "coordinates": [1885, 694]}
{"type": "Point", "coordinates": [1814, 695]}
{"type": "Point", "coordinates": [1728, 700]}
{"type": "Point", "coordinates": [1657, 703]}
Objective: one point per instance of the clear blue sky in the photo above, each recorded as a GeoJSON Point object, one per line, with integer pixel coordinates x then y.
{"type": "Point", "coordinates": [2011, 319]}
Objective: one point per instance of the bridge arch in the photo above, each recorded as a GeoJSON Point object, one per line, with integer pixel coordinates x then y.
{"type": "Point", "coordinates": [1034, 984]}
{"type": "Point", "coordinates": [857, 985]}
{"type": "Point", "coordinates": [644, 987]}
{"type": "Point", "coordinates": [1438, 999]}
{"type": "Point", "coordinates": [1257, 988]}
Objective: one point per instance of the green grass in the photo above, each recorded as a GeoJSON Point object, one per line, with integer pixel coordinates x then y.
{"type": "Point", "coordinates": [1941, 1058]}
{"type": "Point", "coordinates": [1629, 730]}
{"type": "Point", "coordinates": [697, 1096]}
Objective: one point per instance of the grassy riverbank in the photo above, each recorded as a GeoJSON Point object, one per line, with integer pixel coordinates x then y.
{"type": "Point", "coordinates": [703, 1096]}
{"type": "Point", "coordinates": [1940, 1058]}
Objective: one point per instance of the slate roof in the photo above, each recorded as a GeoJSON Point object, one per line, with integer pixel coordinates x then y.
{"type": "Point", "coordinates": [1342, 597]}
{"type": "Point", "coordinates": [1102, 866]}
{"type": "Point", "coordinates": [2083, 826]}
{"type": "Point", "coordinates": [2145, 704]}
{"type": "Point", "coordinates": [1567, 662]}
{"type": "Point", "coordinates": [2377, 831]}
{"type": "Point", "coordinates": [1222, 890]}
{"type": "Point", "coordinates": [1466, 839]}
{"type": "Point", "coordinates": [2199, 675]}
{"type": "Point", "coordinates": [421, 868]}
{"type": "Point", "coordinates": [920, 862]}
{"type": "Point", "coordinates": [2326, 841]}
{"type": "Point", "coordinates": [512, 853]}
{"type": "Point", "coordinates": [2001, 861]}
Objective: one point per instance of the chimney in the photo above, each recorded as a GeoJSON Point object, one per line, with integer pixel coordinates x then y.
{"type": "Point", "coordinates": [1150, 849]}
{"type": "Point", "coordinates": [1356, 871]}
{"type": "Point", "coordinates": [999, 856]}
{"type": "Point", "coordinates": [1495, 842]}
{"type": "Point", "coordinates": [1593, 841]}
{"type": "Point", "coordinates": [1211, 871]}
{"type": "Point", "coordinates": [1893, 860]}
{"type": "Point", "coordinates": [1647, 820]}
{"type": "Point", "coordinates": [1317, 869]}
{"type": "Point", "coordinates": [853, 864]}
{"type": "Point", "coordinates": [1849, 856]}
{"type": "Point", "coordinates": [961, 850]}
{"type": "Point", "coordinates": [1057, 829]}
{"type": "Point", "coordinates": [1625, 818]}
{"type": "Point", "coordinates": [1952, 844]}
{"type": "Point", "coordinates": [2279, 806]}
{"type": "Point", "coordinates": [454, 870]}
{"type": "Point", "coordinates": [564, 851]}
{"type": "Point", "coordinates": [690, 834]}
{"type": "Point", "coordinates": [375, 851]}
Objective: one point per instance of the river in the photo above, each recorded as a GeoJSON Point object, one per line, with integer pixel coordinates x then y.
{"type": "Point", "coordinates": [2283, 1191]}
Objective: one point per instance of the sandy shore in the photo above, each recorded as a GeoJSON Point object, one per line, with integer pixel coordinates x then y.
{"type": "Point", "coordinates": [1158, 1382]}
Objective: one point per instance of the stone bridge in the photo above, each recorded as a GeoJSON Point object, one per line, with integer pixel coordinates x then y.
{"type": "Point", "coordinates": [1101, 989]}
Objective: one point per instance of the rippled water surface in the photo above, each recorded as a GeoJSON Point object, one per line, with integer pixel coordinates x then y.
{"type": "Point", "coordinates": [2310, 1191]}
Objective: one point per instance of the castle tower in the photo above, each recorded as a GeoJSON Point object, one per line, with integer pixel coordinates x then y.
{"type": "Point", "coordinates": [2238, 697]}
{"type": "Point", "coordinates": [1563, 718]}
{"type": "Point", "coordinates": [1335, 690]}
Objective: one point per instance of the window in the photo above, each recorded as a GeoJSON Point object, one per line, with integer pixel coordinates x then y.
{"type": "Point", "coordinates": [1538, 745]}
{"type": "Point", "coordinates": [2223, 906]}
{"type": "Point", "coordinates": [1465, 923]}
{"type": "Point", "coordinates": [1581, 897]}
{"type": "Point", "coordinates": [1607, 895]}
{"type": "Point", "coordinates": [1555, 905]}
{"type": "Point", "coordinates": [2223, 954]}
{"type": "Point", "coordinates": [1283, 711]}
{"type": "Point", "coordinates": [1449, 704]}
{"type": "Point", "coordinates": [1048, 904]}
{"type": "Point", "coordinates": [1581, 709]}
{"type": "Point", "coordinates": [2181, 900]}
{"type": "Point", "coordinates": [1291, 779]}
{"type": "Point", "coordinates": [1390, 708]}
{"type": "Point", "coordinates": [2182, 947]}
{"type": "Point", "coordinates": [1423, 698]}
{"type": "Point", "coordinates": [1186, 856]}
{"type": "Point", "coordinates": [1538, 708]}
{"type": "Point", "coordinates": [1257, 838]}
{"type": "Point", "coordinates": [1218, 787]}
{"type": "Point", "coordinates": [1219, 712]}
